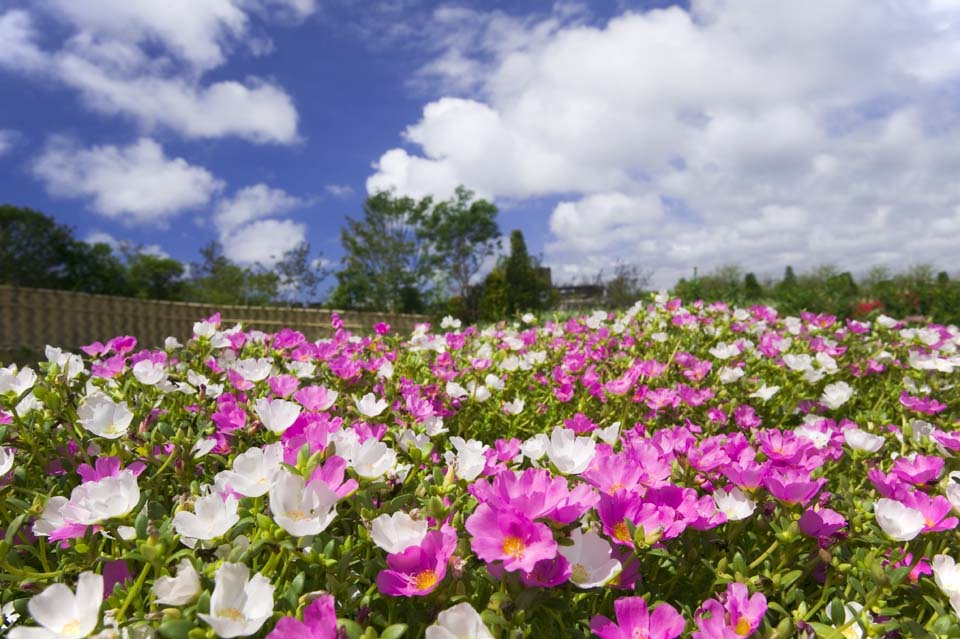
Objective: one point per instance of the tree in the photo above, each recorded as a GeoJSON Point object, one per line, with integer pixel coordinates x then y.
{"type": "Point", "coordinates": [463, 234]}
{"type": "Point", "coordinates": [299, 275]}
{"type": "Point", "coordinates": [528, 284]}
{"type": "Point", "coordinates": [626, 285]}
{"type": "Point", "coordinates": [217, 280]}
{"type": "Point", "coordinates": [387, 261]}
{"type": "Point", "coordinates": [155, 277]}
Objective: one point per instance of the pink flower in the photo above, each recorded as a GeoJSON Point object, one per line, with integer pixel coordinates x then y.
{"type": "Point", "coordinates": [319, 622]}
{"type": "Point", "coordinates": [535, 494]}
{"type": "Point", "coordinates": [821, 523]}
{"type": "Point", "coordinates": [918, 470]}
{"type": "Point", "coordinates": [283, 385]}
{"type": "Point", "coordinates": [508, 536]}
{"type": "Point", "coordinates": [732, 615]}
{"type": "Point", "coordinates": [792, 486]}
{"type": "Point", "coordinates": [418, 570]}
{"type": "Point", "coordinates": [634, 621]}
{"type": "Point", "coordinates": [548, 573]}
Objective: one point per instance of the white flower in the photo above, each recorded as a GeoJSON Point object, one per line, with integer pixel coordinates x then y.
{"type": "Point", "coordinates": [535, 447]}
{"type": "Point", "coordinates": [469, 460]}
{"type": "Point", "coordinates": [373, 459]}
{"type": "Point", "coordinates": [203, 446]}
{"type": "Point", "coordinates": [211, 517]}
{"type": "Point", "coordinates": [799, 363]}
{"type": "Point", "coordinates": [836, 395]}
{"type": "Point", "coordinates": [898, 521]}
{"type": "Point", "coordinates": [450, 322]}
{"type": "Point", "coordinates": [724, 351]}
{"type": "Point", "coordinates": [729, 375]}
{"type": "Point", "coordinates": [369, 405]}
{"type": "Point", "coordinates": [409, 440]}
{"type": "Point", "coordinates": [253, 370]}
{"type": "Point", "coordinates": [494, 382]}
{"type": "Point", "coordinates": [277, 415]}
{"type": "Point", "coordinates": [62, 614]}
{"type": "Point", "coordinates": [204, 329]}
{"type": "Point", "coordinates": [94, 501]}
{"type": "Point", "coordinates": [456, 391]}
{"type": "Point", "coordinates": [610, 434]}
{"type": "Point", "coordinates": [385, 371]}
{"type": "Point", "coordinates": [253, 470]}
{"type": "Point", "coordinates": [149, 373]}
{"type": "Point", "coordinates": [569, 453]}
{"type": "Point", "coordinates": [70, 364]}
{"type": "Point", "coordinates": [397, 532]}
{"type": "Point", "coordinates": [103, 417]}
{"type": "Point", "coordinates": [862, 440]}
{"type": "Point", "coordinates": [589, 556]}
{"type": "Point", "coordinates": [459, 622]}
{"type": "Point", "coordinates": [819, 438]}
{"type": "Point", "coordinates": [239, 605]}
{"type": "Point", "coordinates": [51, 519]}
{"type": "Point", "coordinates": [528, 318]}
{"type": "Point", "coordinates": [179, 590]}
{"type": "Point", "coordinates": [734, 504]}
{"type": "Point", "coordinates": [171, 343]}
{"type": "Point", "coordinates": [510, 363]}
{"type": "Point", "coordinates": [302, 369]}
{"type": "Point", "coordinates": [765, 392]}
{"type": "Point", "coordinates": [853, 610]}
{"type": "Point", "coordinates": [6, 460]}
{"type": "Point", "coordinates": [478, 393]}
{"type": "Point", "coordinates": [947, 575]}
{"type": "Point", "coordinates": [16, 382]}
{"type": "Point", "coordinates": [953, 490]}
{"type": "Point", "coordinates": [302, 508]}
{"type": "Point", "coordinates": [346, 442]}
{"type": "Point", "coordinates": [433, 425]}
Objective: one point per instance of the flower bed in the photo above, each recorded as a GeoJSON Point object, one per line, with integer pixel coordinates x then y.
{"type": "Point", "coordinates": [672, 471]}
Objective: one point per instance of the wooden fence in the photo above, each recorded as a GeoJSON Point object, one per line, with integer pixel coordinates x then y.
{"type": "Point", "coordinates": [31, 318]}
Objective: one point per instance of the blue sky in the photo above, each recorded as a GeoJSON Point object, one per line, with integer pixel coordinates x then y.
{"type": "Point", "coordinates": [667, 135]}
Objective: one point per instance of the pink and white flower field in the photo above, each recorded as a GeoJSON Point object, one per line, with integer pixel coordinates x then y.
{"type": "Point", "coordinates": [694, 471]}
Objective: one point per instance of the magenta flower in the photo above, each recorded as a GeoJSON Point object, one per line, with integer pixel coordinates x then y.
{"type": "Point", "coordinates": [319, 622]}
{"type": "Point", "coordinates": [508, 536]}
{"type": "Point", "coordinates": [418, 570]}
{"type": "Point", "coordinates": [732, 615]}
{"type": "Point", "coordinates": [535, 494]}
{"type": "Point", "coordinates": [792, 486]}
{"type": "Point", "coordinates": [548, 573]}
{"type": "Point", "coordinates": [821, 523]}
{"type": "Point", "coordinates": [919, 469]}
{"type": "Point", "coordinates": [634, 621]}
{"type": "Point", "coordinates": [933, 509]}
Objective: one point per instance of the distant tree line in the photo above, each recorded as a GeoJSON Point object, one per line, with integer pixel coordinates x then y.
{"type": "Point", "coordinates": [36, 251]}
{"type": "Point", "coordinates": [410, 255]}
{"type": "Point", "coordinates": [917, 291]}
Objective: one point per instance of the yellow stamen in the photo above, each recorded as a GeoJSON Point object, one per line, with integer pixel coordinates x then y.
{"type": "Point", "coordinates": [743, 627]}
{"type": "Point", "coordinates": [71, 628]}
{"type": "Point", "coordinates": [230, 613]}
{"type": "Point", "coordinates": [621, 532]}
{"type": "Point", "coordinates": [514, 547]}
{"type": "Point", "coordinates": [425, 580]}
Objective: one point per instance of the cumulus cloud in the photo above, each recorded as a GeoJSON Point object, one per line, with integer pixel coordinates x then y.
{"type": "Point", "coordinates": [263, 241]}
{"type": "Point", "coordinates": [8, 139]}
{"type": "Point", "coordinates": [746, 131]}
{"type": "Point", "coordinates": [118, 246]}
{"type": "Point", "coordinates": [339, 190]}
{"type": "Point", "coordinates": [147, 61]}
{"type": "Point", "coordinates": [137, 184]}
{"type": "Point", "coordinates": [251, 203]}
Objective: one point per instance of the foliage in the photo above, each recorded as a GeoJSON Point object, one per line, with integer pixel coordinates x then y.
{"type": "Point", "coordinates": [217, 280]}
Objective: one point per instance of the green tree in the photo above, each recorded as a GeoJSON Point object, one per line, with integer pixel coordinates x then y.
{"type": "Point", "coordinates": [217, 280]}
{"type": "Point", "coordinates": [626, 285]}
{"type": "Point", "coordinates": [36, 251]}
{"type": "Point", "coordinates": [528, 284]}
{"type": "Point", "coordinates": [155, 277]}
{"type": "Point", "coordinates": [463, 234]}
{"type": "Point", "coordinates": [387, 263]}
{"type": "Point", "coordinates": [299, 275]}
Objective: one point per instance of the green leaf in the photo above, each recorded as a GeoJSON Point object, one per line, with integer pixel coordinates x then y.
{"type": "Point", "coordinates": [352, 628]}
{"type": "Point", "coordinates": [395, 631]}
{"type": "Point", "coordinates": [176, 628]}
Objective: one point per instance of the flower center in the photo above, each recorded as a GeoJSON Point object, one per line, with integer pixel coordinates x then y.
{"type": "Point", "coordinates": [638, 635]}
{"type": "Point", "coordinates": [70, 628]}
{"type": "Point", "coordinates": [616, 487]}
{"type": "Point", "coordinates": [621, 532]}
{"type": "Point", "coordinates": [296, 515]}
{"type": "Point", "coordinates": [514, 547]}
{"type": "Point", "coordinates": [743, 627]}
{"type": "Point", "coordinates": [579, 573]}
{"type": "Point", "coordinates": [425, 580]}
{"type": "Point", "coordinates": [230, 613]}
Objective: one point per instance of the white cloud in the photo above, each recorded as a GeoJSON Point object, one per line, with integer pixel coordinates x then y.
{"type": "Point", "coordinates": [118, 246]}
{"type": "Point", "coordinates": [8, 138]}
{"type": "Point", "coordinates": [740, 131]}
{"type": "Point", "coordinates": [146, 61]}
{"type": "Point", "coordinates": [251, 203]}
{"type": "Point", "coordinates": [263, 241]}
{"type": "Point", "coordinates": [137, 184]}
{"type": "Point", "coordinates": [339, 190]}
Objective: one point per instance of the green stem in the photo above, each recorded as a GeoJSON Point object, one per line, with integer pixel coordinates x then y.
{"type": "Point", "coordinates": [133, 592]}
